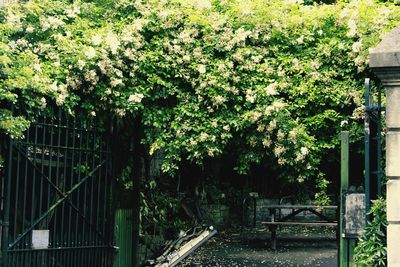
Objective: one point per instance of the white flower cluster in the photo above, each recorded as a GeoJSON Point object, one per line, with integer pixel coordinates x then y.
{"type": "Point", "coordinates": [212, 151]}
{"type": "Point", "coordinates": [293, 135]}
{"type": "Point", "coordinates": [73, 11]}
{"type": "Point", "coordinates": [279, 150]}
{"type": "Point", "coordinates": [271, 89]}
{"type": "Point", "coordinates": [250, 96]}
{"type": "Point", "coordinates": [43, 103]}
{"type": "Point", "coordinates": [187, 36]}
{"type": "Point", "coordinates": [315, 64]}
{"type": "Point", "coordinates": [91, 77]}
{"type": "Point", "coordinates": [280, 135]}
{"type": "Point", "coordinates": [74, 82]}
{"type": "Point", "coordinates": [60, 90]}
{"type": "Point", "coordinates": [271, 126]}
{"type": "Point", "coordinates": [14, 19]}
{"type": "Point", "coordinates": [202, 4]}
{"type": "Point", "coordinates": [300, 39]}
{"type": "Point", "coordinates": [218, 100]}
{"type": "Point", "coordinates": [115, 82]}
{"type": "Point", "coordinates": [81, 64]}
{"type": "Point", "coordinates": [201, 69]}
{"type": "Point", "coordinates": [203, 137]}
{"type": "Point", "coordinates": [112, 42]}
{"type": "Point", "coordinates": [241, 35]}
{"type": "Point", "coordinates": [135, 98]}
{"type": "Point", "coordinates": [294, 2]}
{"type": "Point", "coordinates": [300, 156]}
{"type": "Point", "coordinates": [97, 39]}
{"type": "Point", "coordinates": [90, 52]}
{"type": "Point", "coordinates": [352, 28]}
{"type": "Point", "coordinates": [51, 22]}
{"type": "Point", "coordinates": [356, 47]}
{"type": "Point", "coordinates": [267, 141]}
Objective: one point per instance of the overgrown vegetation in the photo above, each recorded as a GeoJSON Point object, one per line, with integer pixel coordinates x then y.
{"type": "Point", "coordinates": [261, 82]}
{"type": "Point", "coordinates": [371, 248]}
{"type": "Point", "coordinates": [321, 197]}
{"type": "Point", "coordinates": [271, 79]}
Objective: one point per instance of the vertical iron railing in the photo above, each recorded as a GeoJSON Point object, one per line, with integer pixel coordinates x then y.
{"type": "Point", "coordinates": [57, 193]}
{"type": "Point", "coordinates": [373, 141]}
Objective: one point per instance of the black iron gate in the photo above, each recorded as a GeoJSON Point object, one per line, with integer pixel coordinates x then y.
{"type": "Point", "coordinates": [56, 195]}
{"type": "Point", "coordinates": [373, 141]}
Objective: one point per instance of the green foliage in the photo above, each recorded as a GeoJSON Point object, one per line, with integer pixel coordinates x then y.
{"type": "Point", "coordinates": [396, 2]}
{"type": "Point", "coordinates": [158, 205]}
{"type": "Point", "coordinates": [159, 209]}
{"type": "Point", "coordinates": [125, 178]}
{"type": "Point", "coordinates": [14, 126]}
{"type": "Point", "coordinates": [371, 248]}
{"type": "Point", "coordinates": [321, 197]}
{"type": "Point", "coordinates": [271, 80]}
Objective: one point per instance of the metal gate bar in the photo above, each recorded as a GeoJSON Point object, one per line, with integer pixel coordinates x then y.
{"type": "Point", "coordinates": [57, 193]}
{"type": "Point", "coordinates": [373, 141]}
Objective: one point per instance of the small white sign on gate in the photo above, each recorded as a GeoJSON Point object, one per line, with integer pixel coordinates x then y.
{"type": "Point", "coordinates": [354, 216]}
{"type": "Point", "coordinates": [40, 239]}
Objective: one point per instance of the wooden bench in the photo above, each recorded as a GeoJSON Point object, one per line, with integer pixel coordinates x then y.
{"type": "Point", "coordinates": [290, 220]}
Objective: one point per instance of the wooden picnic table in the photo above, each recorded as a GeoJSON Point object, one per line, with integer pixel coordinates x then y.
{"type": "Point", "coordinates": [290, 220]}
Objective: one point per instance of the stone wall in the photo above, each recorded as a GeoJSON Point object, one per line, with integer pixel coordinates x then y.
{"type": "Point", "coordinates": [216, 214]}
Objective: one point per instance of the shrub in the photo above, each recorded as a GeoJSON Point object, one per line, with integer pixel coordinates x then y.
{"type": "Point", "coordinates": [371, 249]}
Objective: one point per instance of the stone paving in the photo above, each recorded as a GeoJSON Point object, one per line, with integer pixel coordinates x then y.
{"type": "Point", "coordinates": [233, 250]}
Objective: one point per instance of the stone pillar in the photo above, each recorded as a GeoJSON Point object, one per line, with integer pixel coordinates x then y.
{"type": "Point", "coordinates": [385, 63]}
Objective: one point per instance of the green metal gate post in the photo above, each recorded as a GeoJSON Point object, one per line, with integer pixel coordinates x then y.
{"type": "Point", "coordinates": [123, 234]}
{"type": "Point", "coordinates": [344, 185]}
{"type": "Point", "coordinates": [346, 245]}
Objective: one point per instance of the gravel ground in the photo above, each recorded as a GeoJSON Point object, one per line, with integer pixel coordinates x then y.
{"type": "Point", "coordinates": [296, 248]}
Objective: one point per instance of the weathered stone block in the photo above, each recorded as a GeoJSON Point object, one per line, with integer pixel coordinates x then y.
{"type": "Point", "coordinates": [393, 200]}
{"type": "Point", "coordinates": [393, 107]}
{"type": "Point", "coordinates": [392, 154]}
{"type": "Point", "coordinates": [386, 54]}
{"type": "Point", "coordinates": [393, 245]}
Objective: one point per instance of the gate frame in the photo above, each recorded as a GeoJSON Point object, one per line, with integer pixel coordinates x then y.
{"type": "Point", "coordinates": [60, 197]}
